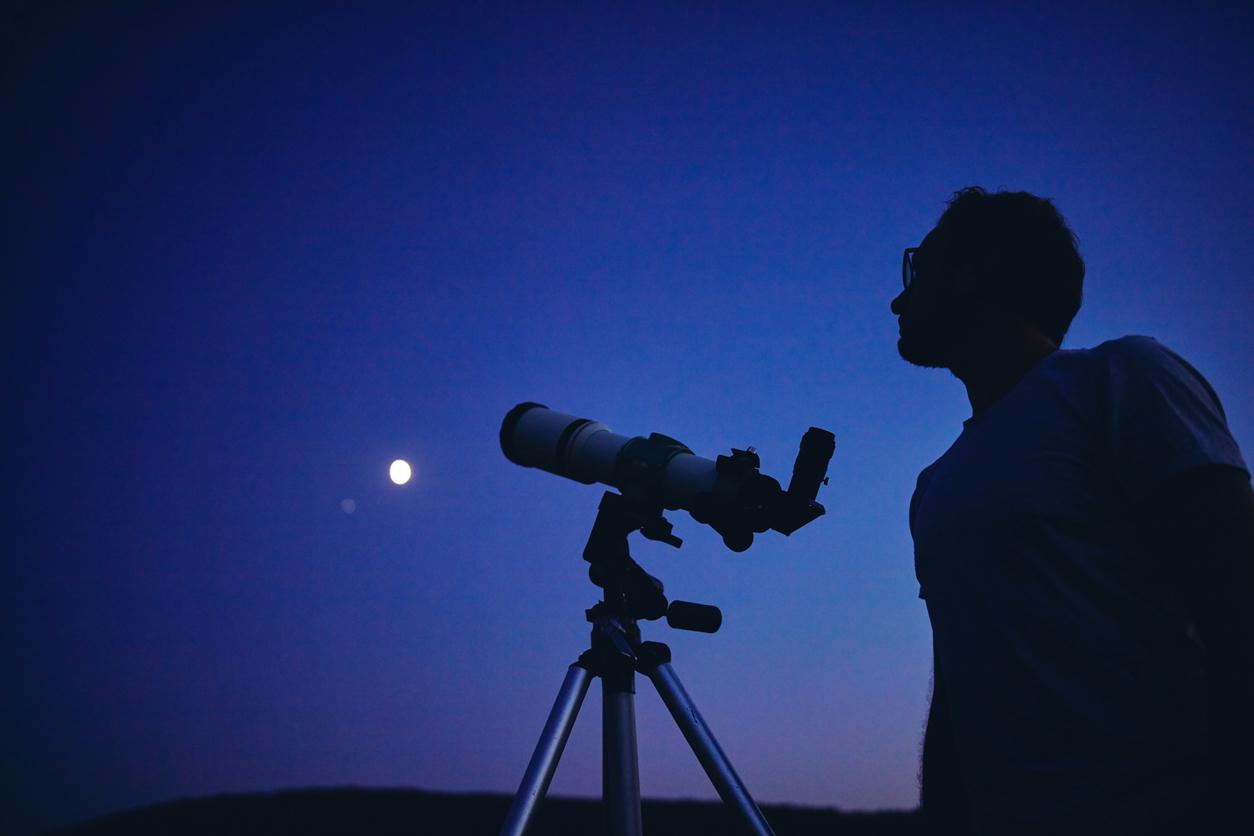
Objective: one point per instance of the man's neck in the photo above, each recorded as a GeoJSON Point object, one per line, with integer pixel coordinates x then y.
{"type": "Point", "coordinates": [992, 367]}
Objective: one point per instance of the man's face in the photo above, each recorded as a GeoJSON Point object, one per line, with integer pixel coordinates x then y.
{"type": "Point", "coordinates": [931, 317]}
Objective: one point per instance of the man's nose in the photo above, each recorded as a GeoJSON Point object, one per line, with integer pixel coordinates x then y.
{"type": "Point", "coordinates": [898, 304]}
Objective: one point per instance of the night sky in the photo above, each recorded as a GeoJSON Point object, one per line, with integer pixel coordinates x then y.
{"type": "Point", "coordinates": [254, 256]}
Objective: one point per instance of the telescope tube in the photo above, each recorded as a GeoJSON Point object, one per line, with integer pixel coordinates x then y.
{"type": "Point", "coordinates": [532, 435]}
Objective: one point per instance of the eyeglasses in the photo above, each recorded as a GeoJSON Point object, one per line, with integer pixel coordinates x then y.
{"type": "Point", "coordinates": [907, 267]}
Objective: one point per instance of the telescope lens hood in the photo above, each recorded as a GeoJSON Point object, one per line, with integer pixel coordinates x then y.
{"type": "Point", "coordinates": [509, 425]}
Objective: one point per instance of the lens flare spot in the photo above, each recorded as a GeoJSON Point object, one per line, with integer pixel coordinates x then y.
{"type": "Point", "coordinates": [400, 471]}
{"type": "Point", "coordinates": [348, 506]}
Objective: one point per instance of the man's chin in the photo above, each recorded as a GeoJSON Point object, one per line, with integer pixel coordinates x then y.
{"type": "Point", "coordinates": [917, 355]}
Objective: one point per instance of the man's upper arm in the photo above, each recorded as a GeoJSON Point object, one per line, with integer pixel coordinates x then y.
{"type": "Point", "coordinates": [1200, 526]}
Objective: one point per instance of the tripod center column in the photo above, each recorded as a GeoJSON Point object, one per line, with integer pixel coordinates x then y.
{"type": "Point", "coordinates": [620, 769]}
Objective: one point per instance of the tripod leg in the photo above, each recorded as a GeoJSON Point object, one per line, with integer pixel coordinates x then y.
{"type": "Point", "coordinates": [543, 764]}
{"type": "Point", "coordinates": [706, 748]}
{"type": "Point", "coordinates": [620, 769]}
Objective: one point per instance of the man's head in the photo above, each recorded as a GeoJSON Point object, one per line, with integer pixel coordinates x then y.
{"type": "Point", "coordinates": [1003, 260]}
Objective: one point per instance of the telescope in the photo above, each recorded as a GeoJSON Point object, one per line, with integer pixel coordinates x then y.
{"type": "Point", "coordinates": [729, 494]}
{"type": "Point", "coordinates": [651, 473]}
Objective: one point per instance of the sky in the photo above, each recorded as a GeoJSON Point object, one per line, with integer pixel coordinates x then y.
{"type": "Point", "coordinates": [257, 254]}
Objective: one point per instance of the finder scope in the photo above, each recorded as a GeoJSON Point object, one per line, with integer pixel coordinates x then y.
{"type": "Point", "coordinates": [729, 494]}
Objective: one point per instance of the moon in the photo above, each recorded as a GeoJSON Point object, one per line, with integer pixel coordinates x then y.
{"type": "Point", "coordinates": [400, 471]}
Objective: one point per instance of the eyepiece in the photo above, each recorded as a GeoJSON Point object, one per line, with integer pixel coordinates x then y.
{"type": "Point", "coordinates": [810, 469]}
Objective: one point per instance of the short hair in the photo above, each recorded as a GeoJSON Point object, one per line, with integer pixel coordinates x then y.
{"type": "Point", "coordinates": [1022, 249]}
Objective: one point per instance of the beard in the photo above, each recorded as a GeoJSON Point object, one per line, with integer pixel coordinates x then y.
{"type": "Point", "coordinates": [926, 347]}
{"type": "Point", "coordinates": [941, 339]}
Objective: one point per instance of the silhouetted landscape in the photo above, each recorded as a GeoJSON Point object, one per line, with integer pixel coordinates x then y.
{"type": "Point", "coordinates": [381, 812]}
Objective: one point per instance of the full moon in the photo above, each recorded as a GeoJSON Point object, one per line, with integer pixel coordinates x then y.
{"type": "Point", "coordinates": [400, 471]}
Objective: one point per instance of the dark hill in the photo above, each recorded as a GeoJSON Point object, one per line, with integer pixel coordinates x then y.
{"type": "Point", "coordinates": [372, 812]}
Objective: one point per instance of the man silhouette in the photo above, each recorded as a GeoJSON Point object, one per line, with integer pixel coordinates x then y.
{"type": "Point", "coordinates": [1085, 550]}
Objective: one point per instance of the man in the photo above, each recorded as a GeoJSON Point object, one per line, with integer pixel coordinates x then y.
{"type": "Point", "coordinates": [1085, 550]}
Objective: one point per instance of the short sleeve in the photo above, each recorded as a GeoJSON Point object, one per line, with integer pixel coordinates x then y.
{"type": "Point", "coordinates": [1163, 417]}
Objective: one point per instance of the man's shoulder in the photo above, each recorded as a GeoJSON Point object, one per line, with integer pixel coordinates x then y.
{"type": "Point", "coordinates": [1156, 393]}
{"type": "Point", "coordinates": [1134, 351]}
{"type": "Point", "coordinates": [1137, 358]}
{"type": "Point", "coordinates": [1133, 360]}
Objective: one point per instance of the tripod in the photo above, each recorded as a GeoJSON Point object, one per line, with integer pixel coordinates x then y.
{"type": "Point", "coordinates": [616, 654]}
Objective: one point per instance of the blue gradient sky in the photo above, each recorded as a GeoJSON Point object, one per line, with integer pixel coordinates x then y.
{"type": "Point", "coordinates": [258, 255]}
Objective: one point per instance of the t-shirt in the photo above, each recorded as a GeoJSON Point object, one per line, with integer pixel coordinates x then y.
{"type": "Point", "coordinates": [1075, 681]}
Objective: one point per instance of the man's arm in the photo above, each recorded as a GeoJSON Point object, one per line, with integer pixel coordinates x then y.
{"type": "Point", "coordinates": [943, 797]}
{"type": "Point", "coordinates": [1200, 525]}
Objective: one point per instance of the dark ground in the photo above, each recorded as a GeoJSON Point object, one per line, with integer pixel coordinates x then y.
{"type": "Point", "coordinates": [365, 812]}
